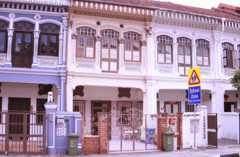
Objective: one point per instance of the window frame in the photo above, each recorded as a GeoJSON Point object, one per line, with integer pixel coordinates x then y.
{"type": "Point", "coordinates": [226, 50]}
{"type": "Point", "coordinates": [48, 44]}
{"type": "Point", "coordinates": [23, 40]}
{"type": "Point", "coordinates": [202, 49]}
{"type": "Point", "coordinates": [85, 42]}
{"type": "Point", "coordinates": [43, 101]}
{"type": "Point", "coordinates": [132, 43]}
{"type": "Point", "coordinates": [6, 41]}
{"type": "Point", "coordinates": [238, 50]}
{"type": "Point", "coordinates": [168, 102]}
{"type": "Point", "coordinates": [164, 44]}
{"type": "Point", "coordinates": [184, 45]}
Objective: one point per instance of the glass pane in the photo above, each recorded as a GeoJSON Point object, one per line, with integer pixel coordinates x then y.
{"type": "Point", "coordinates": [44, 44]}
{"type": "Point", "coordinates": [199, 51]}
{"type": "Point", "coordinates": [187, 51]}
{"type": "Point", "coordinates": [90, 42]}
{"type": "Point", "coordinates": [27, 46]}
{"type": "Point", "coordinates": [105, 43]}
{"type": "Point", "coordinates": [160, 48]}
{"type": "Point", "coordinates": [136, 46]}
{"type": "Point", "coordinates": [2, 41]}
{"type": "Point", "coordinates": [168, 49]}
{"type": "Point", "coordinates": [205, 52]}
{"type": "Point", "coordinates": [53, 44]}
{"type": "Point", "coordinates": [80, 41]}
{"type": "Point", "coordinates": [113, 44]}
{"type": "Point", "coordinates": [128, 45]}
{"type": "Point", "coordinates": [180, 50]}
{"type": "Point", "coordinates": [18, 42]}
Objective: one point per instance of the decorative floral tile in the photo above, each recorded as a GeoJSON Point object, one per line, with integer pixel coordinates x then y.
{"type": "Point", "coordinates": [2, 59]}
{"type": "Point", "coordinates": [84, 64]}
{"type": "Point", "coordinates": [229, 72]}
{"type": "Point", "coordinates": [61, 129]}
{"type": "Point", "coordinates": [165, 70]}
{"type": "Point", "coordinates": [192, 125]}
{"type": "Point", "coordinates": [132, 68]}
{"type": "Point", "coordinates": [35, 50]}
{"type": "Point", "coordinates": [60, 51]}
{"type": "Point", "coordinates": [46, 62]}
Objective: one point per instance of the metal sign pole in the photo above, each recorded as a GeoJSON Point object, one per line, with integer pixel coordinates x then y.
{"type": "Point", "coordinates": [194, 125]}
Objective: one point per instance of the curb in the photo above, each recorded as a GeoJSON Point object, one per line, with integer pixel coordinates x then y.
{"type": "Point", "coordinates": [228, 155]}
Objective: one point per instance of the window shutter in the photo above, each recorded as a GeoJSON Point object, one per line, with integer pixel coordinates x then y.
{"type": "Point", "coordinates": [225, 62]}
{"type": "Point", "coordinates": [234, 56]}
{"type": "Point", "coordinates": [80, 52]}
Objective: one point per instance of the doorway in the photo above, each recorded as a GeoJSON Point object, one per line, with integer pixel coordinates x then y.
{"type": "Point", "coordinates": [98, 106]}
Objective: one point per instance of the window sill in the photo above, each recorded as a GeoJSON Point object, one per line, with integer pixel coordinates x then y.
{"type": "Point", "coordinates": [53, 57]}
{"type": "Point", "coordinates": [132, 63]}
{"type": "Point", "coordinates": [86, 59]}
{"type": "Point", "coordinates": [161, 65]}
{"type": "Point", "coordinates": [204, 67]}
{"type": "Point", "coordinates": [3, 53]}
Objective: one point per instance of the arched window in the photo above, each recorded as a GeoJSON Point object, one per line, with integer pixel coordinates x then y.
{"type": "Point", "coordinates": [203, 57]}
{"type": "Point", "coordinates": [49, 39]}
{"type": "Point", "coordinates": [228, 55]}
{"type": "Point", "coordinates": [132, 47]}
{"type": "Point", "coordinates": [184, 55]}
{"type": "Point", "coordinates": [85, 42]}
{"type": "Point", "coordinates": [164, 49]}
{"type": "Point", "coordinates": [23, 44]}
{"type": "Point", "coordinates": [109, 57]}
{"type": "Point", "coordinates": [3, 36]}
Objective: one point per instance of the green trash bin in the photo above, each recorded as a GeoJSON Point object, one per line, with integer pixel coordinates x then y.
{"type": "Point", "coordinates": [168, 141]}
{"type": "Point", "coordinates": [73, 144]}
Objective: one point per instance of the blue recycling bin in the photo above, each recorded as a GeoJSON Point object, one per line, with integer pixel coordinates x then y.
{"type": "Point", "coordinates": [150, 135]}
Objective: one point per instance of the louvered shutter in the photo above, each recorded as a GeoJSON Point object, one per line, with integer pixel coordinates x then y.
{"type": "Point", "coordinates": [80, 52]}
{"type": "Point", "coordinates": [234, 57]}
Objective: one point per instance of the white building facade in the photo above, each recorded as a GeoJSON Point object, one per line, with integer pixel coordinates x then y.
{"type": "Point", "coordinates": [138, 57]}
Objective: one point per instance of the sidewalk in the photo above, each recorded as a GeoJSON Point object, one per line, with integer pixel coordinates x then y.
{"type": "Point", "coordinates": [208, 152]}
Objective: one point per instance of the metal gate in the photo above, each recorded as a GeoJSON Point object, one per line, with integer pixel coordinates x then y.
{"type": "Point", "coordinates": [22, 132]}
{"type": "Point", "coordinates": [212, 129]}
{"type": "Point", "coordinates": [132, 131]}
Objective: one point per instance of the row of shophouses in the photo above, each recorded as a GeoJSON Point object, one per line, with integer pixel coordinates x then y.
{"type": "Point", "coordinates": [111, 56]}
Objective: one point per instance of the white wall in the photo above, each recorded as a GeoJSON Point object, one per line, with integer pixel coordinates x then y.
{"type": "Point", "coordinates": [228, 126]}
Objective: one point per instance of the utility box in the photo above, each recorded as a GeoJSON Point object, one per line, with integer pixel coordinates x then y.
{"type": "Point", "coordinates": [168, 141]}
{"type": "Point", "coordinates": [73, 144]}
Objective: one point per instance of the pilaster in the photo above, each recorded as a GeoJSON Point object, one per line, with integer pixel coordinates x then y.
{"type": "Point", "coordinates": [121, 56]}
{"type": "Point", "coordinates": [98, 54]}
{"type": "Point", "coordinates": [36, 42]}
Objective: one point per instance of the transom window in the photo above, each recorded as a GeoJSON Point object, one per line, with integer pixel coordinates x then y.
{"type": "Point", "coordinates": [109, 34]}
{"type": "Point", "coordinates": [203, 58]}
{"type": "Point", "coordinates": [184, 55]}
{"type": "Point", "coordinates": [85, 42]}
{"type": "Point", "coordinates": [164, 49]}
{"type": "Point", "coordinates": [49, 39]}
{"type": "Point", "coordinates": [228, 55]}
{"type": "Point", "coordinates": [132, 47]}
{"type": "Point", "coordinates": [184, 41]}
{"type": "Point", "coordinates": [3, 36]}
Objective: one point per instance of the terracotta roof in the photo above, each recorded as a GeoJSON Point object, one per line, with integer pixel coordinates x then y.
{"type": "Point", "coordinates": [178, 7]}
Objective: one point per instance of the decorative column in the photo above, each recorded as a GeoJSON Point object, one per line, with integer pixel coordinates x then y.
{"type": "Point", "coordinates": [69, 95]}
{"type": "Point", "coordinates": [59, 99]}
{"type": "Point", "coordinates": [151, 97]}
{"type": "Point", "coordinates": [121, 56]}
{"type": "Point", "coordinates": [63, 42]}
{"type": "Point", "coordinates": [194, 56]}
{"type": "Point", "coordinates": [175, 58]}
{"type": "Point", "coordinates": [151, 57]}
{"type": "Point", "coordinates": [144, 56]}
{"type": "Point", "coordinates": [97, 54]}
{"type": "Point", "coordinates": [36, 41]}
{"type": "Point", "coordinates": [72, 51]}
{"type": "Point", "coordinates": [9, 44]}
{"type": "Point", "coordinates": [217, 99]}
{"type": "Point", "coordinates": [63, 94]}
{"type": "Point", "coordinates": [50, 109]}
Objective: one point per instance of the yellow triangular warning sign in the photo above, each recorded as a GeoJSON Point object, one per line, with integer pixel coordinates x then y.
{"type": "Point", "coordinates": [194, 79]}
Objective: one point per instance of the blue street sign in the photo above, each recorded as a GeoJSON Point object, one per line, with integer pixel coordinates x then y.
{"type": "Point", "coordinates": [194, 95]}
